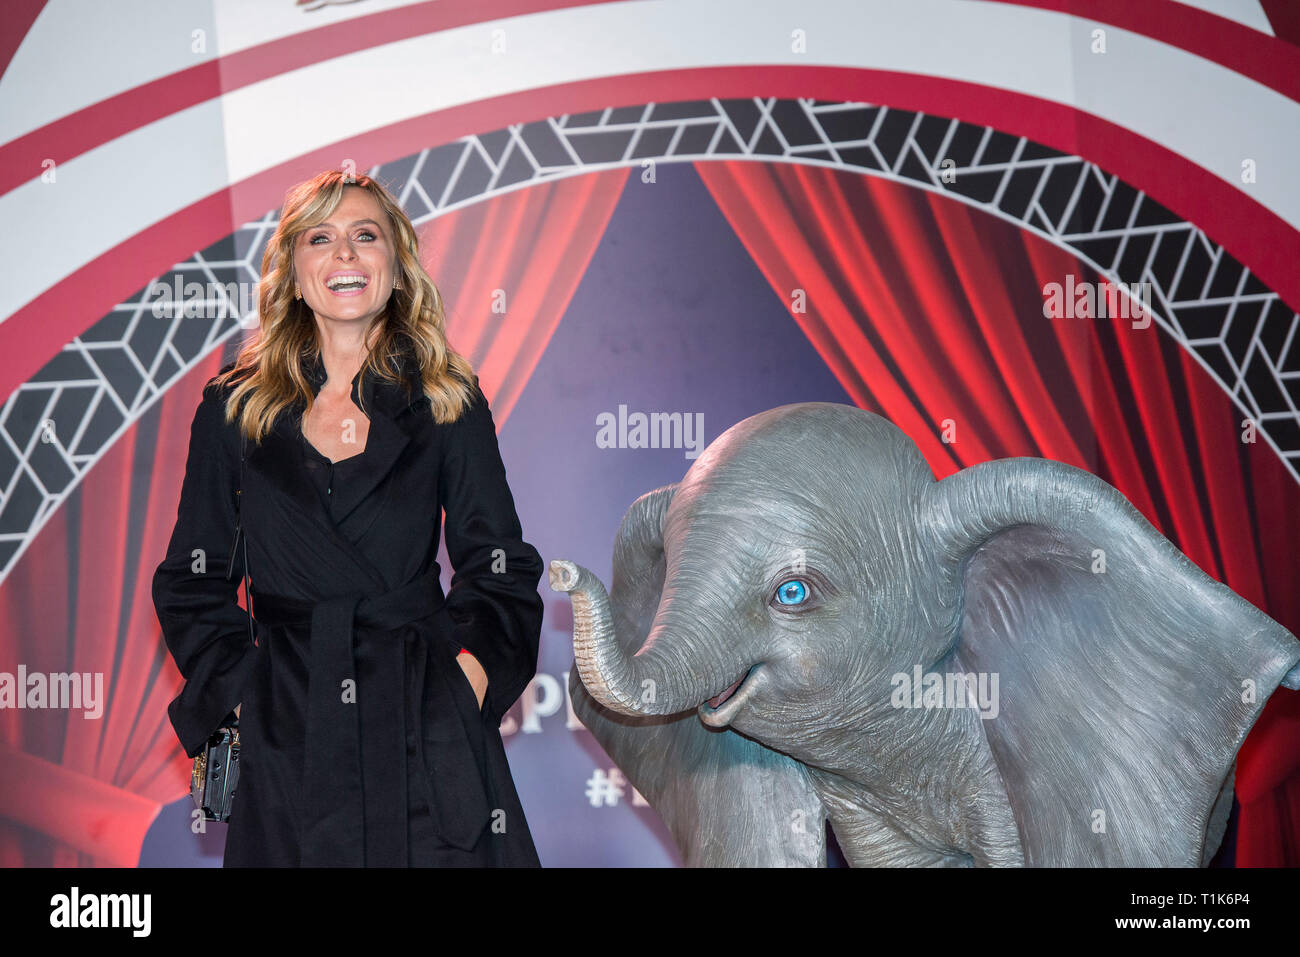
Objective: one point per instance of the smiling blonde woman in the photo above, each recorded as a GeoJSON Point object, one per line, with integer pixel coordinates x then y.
{"type": "Point", "coordinates": [350, 425]}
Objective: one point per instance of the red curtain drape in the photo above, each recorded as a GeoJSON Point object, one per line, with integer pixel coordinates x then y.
{"type": "Point", "coordinates": [929, 310]}
{"type": "Point", "coordinates": [508, 268]}
{"type": "Point", "coordinates": [79, 792]}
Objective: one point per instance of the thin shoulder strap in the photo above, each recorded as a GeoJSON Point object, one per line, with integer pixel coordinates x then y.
{"type": "Point", "coordinates": [248, 601]}
{"type": "Point", "coordinates": [241, 537]}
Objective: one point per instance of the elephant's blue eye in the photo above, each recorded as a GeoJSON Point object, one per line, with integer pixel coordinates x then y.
{"type": "Point", "coordinates": [793, 592]}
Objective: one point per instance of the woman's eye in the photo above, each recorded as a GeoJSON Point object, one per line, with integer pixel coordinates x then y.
{"type": "Point", "coordinates": [792, 592]}
{"type": "Point", "coordinates": [366, 233]}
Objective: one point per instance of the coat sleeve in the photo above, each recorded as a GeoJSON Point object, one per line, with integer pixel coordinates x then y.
{"type": "Point", "coordinates": [493, 600]}
{"type": "Point", "coordinates": [204, 628]}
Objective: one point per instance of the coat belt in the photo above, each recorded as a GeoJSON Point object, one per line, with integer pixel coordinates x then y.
{"type": "Point", "coordinates": [355, 809]}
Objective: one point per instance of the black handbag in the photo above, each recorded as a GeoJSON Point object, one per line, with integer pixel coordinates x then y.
{"type": "Point", "coordinates": [216, 769]}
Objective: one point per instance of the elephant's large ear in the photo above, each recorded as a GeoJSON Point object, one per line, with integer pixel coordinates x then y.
{"type": "Point", "coordinates": [1127, 678]}
{"type": "Point", "coordinates": [727, 800]}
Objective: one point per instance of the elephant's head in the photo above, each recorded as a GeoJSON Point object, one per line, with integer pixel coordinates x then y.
{"type": "Point", "coordinates": [808, 559]}
{"type": "Point", "coordinates": [796, 576]}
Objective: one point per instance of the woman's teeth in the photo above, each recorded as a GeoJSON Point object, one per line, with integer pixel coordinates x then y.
{"type": "Point", "coordinates": [347, 283]}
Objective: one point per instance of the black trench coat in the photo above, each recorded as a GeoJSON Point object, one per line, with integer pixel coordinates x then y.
{"type": "Point", "coordinates": [362, 740]}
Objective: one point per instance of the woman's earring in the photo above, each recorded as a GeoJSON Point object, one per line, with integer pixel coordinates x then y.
{"type": "Point", "coordinates": [297, 292]}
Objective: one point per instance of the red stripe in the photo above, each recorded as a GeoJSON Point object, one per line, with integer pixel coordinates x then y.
{"type": "Point", "coordinates": [1251, 232]}
{"type": "Point", "coordinates": [19, 16]}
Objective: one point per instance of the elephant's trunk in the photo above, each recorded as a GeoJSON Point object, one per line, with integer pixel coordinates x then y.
{"type": "Point", "coordinates": [658, 679]}
{"type": "Point", "coordinates": [602, 666]}
{"type": "Point", "coordinates": [640, 652]}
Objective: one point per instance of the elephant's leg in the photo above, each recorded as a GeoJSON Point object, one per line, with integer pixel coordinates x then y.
{"type": "Point", "coordinates": [1217, 825]}
{"type": "Point", "coordinates": [968, 830]}
{"type": "Point", "coordinates": [871, 839]}
{"type": "Point", "coordinates": [983, 819]}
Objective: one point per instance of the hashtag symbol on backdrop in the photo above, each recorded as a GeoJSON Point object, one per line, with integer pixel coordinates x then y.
{"type": "Point", "coordinates": [605, 787]}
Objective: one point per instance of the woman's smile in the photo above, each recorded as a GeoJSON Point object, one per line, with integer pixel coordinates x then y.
{"type": "Point", "coordinates": [347, 282]}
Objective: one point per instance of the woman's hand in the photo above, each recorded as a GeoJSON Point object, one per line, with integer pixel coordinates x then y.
{"type": "Point", "coordinates": [474, 672]}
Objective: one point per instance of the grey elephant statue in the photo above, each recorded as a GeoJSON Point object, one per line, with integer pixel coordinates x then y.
{"type": "Point", "coordinates": [1008, 667]}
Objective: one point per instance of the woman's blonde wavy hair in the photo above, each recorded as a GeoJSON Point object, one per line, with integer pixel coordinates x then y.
{"type": "Point", "coordinates": [270, 370]}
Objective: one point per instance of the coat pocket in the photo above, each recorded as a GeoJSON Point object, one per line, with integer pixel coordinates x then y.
{"type": "Point", "coordinates": [455, 754]}
{"type": "Point", "coordinates": [459, 672]}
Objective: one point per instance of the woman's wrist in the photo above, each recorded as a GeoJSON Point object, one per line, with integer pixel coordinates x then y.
{"type": "Point", "coordinates": [474, 673]}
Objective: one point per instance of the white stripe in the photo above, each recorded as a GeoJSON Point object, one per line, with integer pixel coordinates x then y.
{"type": "Point", "coordinates": [1192, 106]}
{"type": "Point", "coordinates": [110, 46]}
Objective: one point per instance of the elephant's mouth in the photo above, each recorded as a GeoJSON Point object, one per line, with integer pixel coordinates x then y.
{"type": "Point", "coordinates": [720, 710]}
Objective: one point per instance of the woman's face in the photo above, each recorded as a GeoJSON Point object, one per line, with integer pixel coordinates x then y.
{"type": "Point", "coordinates": [345, 266]}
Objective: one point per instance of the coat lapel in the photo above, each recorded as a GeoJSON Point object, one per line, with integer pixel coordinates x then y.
{"type": "Point", "coordinates": [279, 458]}
{"type": "Point", "coordinates": [383, 446]}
